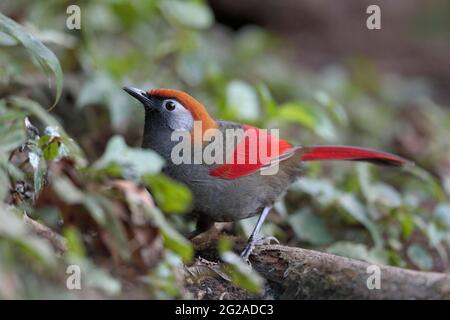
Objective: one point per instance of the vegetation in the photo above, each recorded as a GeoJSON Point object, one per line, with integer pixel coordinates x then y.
{"type": "Point", "coordinates": [70, 156]}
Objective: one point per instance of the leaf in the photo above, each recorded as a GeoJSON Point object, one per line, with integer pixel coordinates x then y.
{"type": "Point", "coordinates": [267, 100]}
{"type": "Point", "coordinates": [353, 206]}
{"type": "Point", "coordinates": [39, 168]}
{"type": "Point", "coordinates": [187, 13]}
{"type": "Point", "coordinates": [52, 144]}
{"type": "Point", "coordinates": [4, 183]}
{"type": "Point", "coordinates": [442, 214]}
{"type": "Point", "coordinates": [320, 189]}
{"type": "Point", "coordinates": [239, 272]}
{"type": "Point", "coordinates": [139, 161]}
{"type": "Point", "coordinates": [11, 136]}
{"type": "Point", "coordinates": [357, 251]}
{"type": "Point", "coordinates": [6, 40]}
{"type": "Point", "coordinates": [33, 108]}
{"type": "Point", "coordinates": [430, 182]}
{"type": "Point", "coordinates": [49, 146]}
{"type": "Point", "coordinates": [102, 90]}
{"type": "Point", "coordinates": [420, 257]}
{"type": "Point", "coordinates": [336, 110]}
{"type": "Point", "coordinates": [386, 195]}
{"type": "Point", "coordinates": [101, 278]}
{"type": "Point", "coordinates": [68, 192]}
{"type": "Point", "coordinates": [46, 58]}
{"type": "Point", "coordinates": [163, 280]}
{"type": "Point", "coordinates": [170, 196]}
{"type": "Point", "coordinates": [446, 184]}
{"type": "Point", "coordinates": [309, 116]}
{"type": "Point", "coordinates": [326, 194]}
{"type": "Point", "coordinates": [407, 224]}
{"type": "Point", "coordinates": [242, 100]}
{"type": "Point", "coordinates": [14, 229]}
{"type": "Point", "coordinates": [309, 227]}
{"type": "Point", "coordinates": [74, 243]}
{"type": "Point", "coordinates": [172, 239]}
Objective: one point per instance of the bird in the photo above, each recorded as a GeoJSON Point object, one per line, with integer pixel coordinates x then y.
{"type": "Point", "coordinates": [230, 190]}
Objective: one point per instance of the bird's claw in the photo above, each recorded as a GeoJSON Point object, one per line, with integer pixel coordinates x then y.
{"type": "Point", "coordinates": [264, 241]}
{"type": "Point", "coordinates": [251, 244]}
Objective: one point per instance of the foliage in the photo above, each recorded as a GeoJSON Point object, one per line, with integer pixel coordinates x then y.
{"type": "Point", "coordinates": [59, 172]}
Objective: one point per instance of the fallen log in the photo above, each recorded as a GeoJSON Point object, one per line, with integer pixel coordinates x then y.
{"type": "Point", "coordinates": [306, 274]}
{"type": "Point", "coordinates": [295, 273]}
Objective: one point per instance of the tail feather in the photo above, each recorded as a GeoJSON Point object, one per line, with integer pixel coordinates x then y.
{"type": "Point", "coordinates": [316, 153]}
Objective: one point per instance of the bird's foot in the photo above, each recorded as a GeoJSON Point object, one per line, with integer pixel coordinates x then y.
{"type": "Point", "coordinates": [252, 243]}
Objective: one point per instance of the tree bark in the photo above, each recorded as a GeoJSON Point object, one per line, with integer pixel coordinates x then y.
{"type": "Point", "coordinates": [306, 274]}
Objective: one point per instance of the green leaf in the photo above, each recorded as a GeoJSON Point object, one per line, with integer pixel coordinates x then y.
{"type": "Point", "coordinates": [242, 100]}
{"type": "Point", "coordinates": [309, 116]}
{"type": "Point", "coordinates": [187, 13]}
{"type": "Point", "coordinates": [139, 161]}
{"type": "Point", "coordinates": [336, 110]}
{"type": "Point", "coordinates": [33, 108]}
{"type": "Point", "coordinates": [75, 245]}
{"type": "Point", "coordinates": [354, 207]}
{"type": "Point", "coordinates": [102, 90]}
{"type": "Point", "coordinates": [357, 251]}
{"type": "Point", "coordinates": [4, 184]}
{"type": "Point", "coordinates": [173, 240]}
{"type": "Point", "coordinates": [319, 189]}
{"type": "Point", "coordinates": [420, 257]}
{"type": "Point", "coordinates": [6, 40]}
{"type": "Point", "coordinates": [407, 224]}
{"type": "Point", "coordinates": [267, 100]}
{"type": "Point", "coordinates": [52, 144]}
{"type": "Point", "coordinates": [68, 192]}
{"type": "Point", "coordinates": [46, 58]}
{"type": "Point", "coordinates": [11, 136]}
{"type": "Point", "coordinates": [170, 196]}
{"type": "Point", "coordinates": [162, 280]}
{"type": "Point", "coordinates": [101, 278]}
{"type": "Point", "coordinates": [239, 272]}
{"type": "Point", "coordinates": [309, 227]}
{"type": "Point", "coordinates": [430, 182]}
{"type": "Point", "coordinates": [50, 147]}
{"type": "Point", "coordinates": [442, 214]}
{"type": "Point", "coordinates": [386, 195]}
{"type": "Point", "coordinates": [14, 229]}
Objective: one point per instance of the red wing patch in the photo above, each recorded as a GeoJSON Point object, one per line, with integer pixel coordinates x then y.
{"type": "Point", "coordinates": [256, 149]}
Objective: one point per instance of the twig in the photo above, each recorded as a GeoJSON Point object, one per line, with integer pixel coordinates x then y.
{"type": "Point", "coordinates": [55, 239]}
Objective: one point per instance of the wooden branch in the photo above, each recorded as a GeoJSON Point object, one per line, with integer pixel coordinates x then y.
{"type": "Point", "coordinates": [308, 274]}
{"type": "Point", "coordinates": [45, 232]}
{"type": "Point", "coordinates": [295, 273]}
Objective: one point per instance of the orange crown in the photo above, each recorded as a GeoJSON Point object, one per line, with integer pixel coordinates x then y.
{"type": "Point", "coordinates": [198, 111]}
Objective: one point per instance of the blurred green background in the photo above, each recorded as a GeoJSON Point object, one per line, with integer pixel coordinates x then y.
{"type": "Point", "coordinates": [310, 68]}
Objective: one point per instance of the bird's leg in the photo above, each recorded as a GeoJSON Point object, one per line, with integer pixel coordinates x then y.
{"type": "Point", "coordinates": [253, 239]}
{"type": "Point", "coordinates": [203, 225]}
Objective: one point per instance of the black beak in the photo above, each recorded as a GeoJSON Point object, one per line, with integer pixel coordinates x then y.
{"type": "Point", "coordinates": [140, 95]}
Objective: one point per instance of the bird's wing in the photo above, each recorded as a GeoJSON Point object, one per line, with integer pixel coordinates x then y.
{"type": "Point", "coordinates": [260, 150]}
{"type": "Point", "coordinates": [257, 150]}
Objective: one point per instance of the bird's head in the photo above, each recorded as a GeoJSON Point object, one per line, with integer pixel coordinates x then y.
{"type": "Point", "coordinates": [176, 109]}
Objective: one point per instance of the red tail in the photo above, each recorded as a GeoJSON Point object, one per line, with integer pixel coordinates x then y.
{"type": "Point", "coordinates": [352, 153]}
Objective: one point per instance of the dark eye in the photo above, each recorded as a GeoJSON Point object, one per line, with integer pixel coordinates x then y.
{"type": "Point", "coordinates": [170, 105]}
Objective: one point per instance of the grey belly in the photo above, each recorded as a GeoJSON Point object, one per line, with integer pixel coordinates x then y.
{"type": "Point", "coordinates": [230, 200]}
